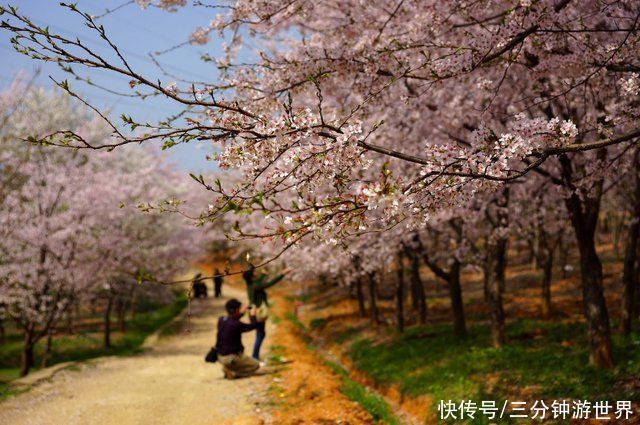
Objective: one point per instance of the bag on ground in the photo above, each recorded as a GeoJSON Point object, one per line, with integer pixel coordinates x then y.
{"type": "Point", "coordinates": [212, 356]}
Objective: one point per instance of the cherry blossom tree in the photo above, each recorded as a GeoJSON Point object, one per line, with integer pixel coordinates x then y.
{"type": "Point", "coordinates": [66, 227]}
{"type": "Point", "coordinates": [357, 116]}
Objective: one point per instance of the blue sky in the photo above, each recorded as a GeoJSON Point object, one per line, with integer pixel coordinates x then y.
{"type": "Point", "coordinates": [136, 32]}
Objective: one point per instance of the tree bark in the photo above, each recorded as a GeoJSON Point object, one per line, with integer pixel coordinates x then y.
{"type": "Point", "coordinates": [493, 292]}
{"type": "Point", "coordinates": [415, 298]}
{"type": "Point", "coordinates": [107, 323]}
{"type": "Point", "coordinates": [637, 291]}
{"type": "Point", "coordinates": [452, 277]}
{"type": "Point", "coordinates": [599, 330]}
{"type": "Point", "coordinates": [629, 274]}
{"type": "Point", "coordinates": [47, 351]}
{"type": "Point", "coordinates": [69, 323]}
{"type": "Point", "coordinates": [132, 305]}
{"type": "Point", "coordinates": [122, 310]}
{"type": "Point", "coordinates": [495, 269]}
{"type": "Point", "coordinates": [584, 219]}
{"type": "Point", "coordinates": [417, 288]}
{"type": "Point", "coordinates": [563, 255]}
{"type": "Point", "coordinates": [372, 298]}
{"type": "Point", "coordinates": [360, 295]}
{"type": "Point", "coordinates": [630, 278]}
{"type": "Point", "coordinates": [27, 360]}
{"type": "Point", "coordinates": [547, 271]}
{"type": "Point", "coordinates": [532, 254]}
{"type": "Point", "coordinates": [400, 294]}
{"type": "Point", "coordinates": [455, 294]}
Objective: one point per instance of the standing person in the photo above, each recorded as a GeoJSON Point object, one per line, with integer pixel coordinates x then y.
{"type": "Point", "coordinates": [199, 287]}
{"type": "Point", "coordinates": [258, 297]}
{"type": "Point", "coordinates": [217, 284]}
{"type": "Point", "coordinates": [235, 363]}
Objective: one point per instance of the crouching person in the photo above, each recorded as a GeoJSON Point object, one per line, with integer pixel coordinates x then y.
{"type": "Point", "coordinates": [230, 349]}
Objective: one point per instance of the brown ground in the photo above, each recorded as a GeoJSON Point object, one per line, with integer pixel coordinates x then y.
{"type": "Point", "coordinates": [306, 391]}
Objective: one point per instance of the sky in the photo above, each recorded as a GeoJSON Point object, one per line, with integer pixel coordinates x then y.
{"type": "Point", "coordinates": [136, 32]}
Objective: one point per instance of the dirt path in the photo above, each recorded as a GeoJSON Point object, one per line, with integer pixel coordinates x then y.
{"type": "Point", "coordinates": [168, 384]}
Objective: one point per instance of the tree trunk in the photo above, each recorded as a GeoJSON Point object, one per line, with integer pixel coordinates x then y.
{"type": "Point", "coordinates": [584, 219]}
{"type": "Point", "coordinates": [418, 287]}
{"type": "Point", "coordinates": [400, 295]}
{"type": "Point", "coordinates": [495, 272]}
{"type": "Point", "coordinates": [546, 285]}
{"type": "Point", "coordinates": [532, 254]}
{"type": "Point", "coordinates": [455, 293]}
{"type": "Point", "coordinates": [415, 296]}
{"type": "Point", "coordinates": [107, 323]}
{"type": "Point", "coordinates": [27, 360]}
{"type": "Point", "coordinates": [360, 295]}
{"type": "Point", "coordinates": [594, 305]}
{"type": "Point", "coordinates": [47, 350]}
{"type": "Point", "coordinates": [69, 321]}
{"type": "Point", "coordinates": [637, 291]}
{"type": "Point", "coordinates": [629, 274]}
{"type": "Point", "coordinates": [493, 292]}
{"type": "Point", "coordinates": [629, 277]}
{"type": "Point", "coordinates": [372, 298]}
{"type": "Point", "coordinates": [132, 304]}
{"type": "Point", "coordinates": [563, 255]}
{"type": "Point", "coordinates": [3, 335]}
{"type": "Point", "coordinates": [501, 263]}
{"type": "Point", "coordinates": [122, 310]}
{"type": "Point", "coordinates": [92, 306]}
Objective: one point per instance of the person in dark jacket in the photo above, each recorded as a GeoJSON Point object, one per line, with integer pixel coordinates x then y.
{"type": "Point", "coordinates": [217, 284]}
{"type": "Point", "coordinates": [199, 287]}
{"type": "Point", "coordinates": [235, 363]}
{"type": "Point", "coordinates": [256, 291]}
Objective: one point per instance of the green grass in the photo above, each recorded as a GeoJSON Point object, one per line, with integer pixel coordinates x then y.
{"type": "Point", "coordinates": [373, 403]}
{"type": "Point", "coordinates": [370, 401]}
{"type": "Point", "coordinates": [293, 319]}
{"type": "Point", "coordinates": [348, 334]}
{"type": "Point", "coordinates": [7, 375]}
{"type": "Point", "coordinates": [86, 346]}
{"type": "Point", "coordinates": [316, 323]}
{"type": "Point", "coordinates": [276, 353]}
{"type": "Point", "coordinates": [434, 362]}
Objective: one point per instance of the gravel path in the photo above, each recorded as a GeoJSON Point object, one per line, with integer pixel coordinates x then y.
{"type": "Point", "coordinates": [168, 384]}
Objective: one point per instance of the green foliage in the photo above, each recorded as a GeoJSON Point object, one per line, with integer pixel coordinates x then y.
{"type": "Point", "coordinates": [550, 359]}
{"type": "Point", "coordinates": [87, 345]}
